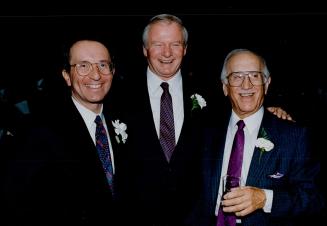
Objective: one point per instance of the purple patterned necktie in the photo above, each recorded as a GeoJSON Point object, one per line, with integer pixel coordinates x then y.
{"type": "Point", "coordinates": [167, 128]}
{"type": "Point", "coordinates": [102, 146]}
{"type": "Point", "coordinates": [234, 169]}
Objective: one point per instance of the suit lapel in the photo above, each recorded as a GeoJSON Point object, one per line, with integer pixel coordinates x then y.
{"type": "Point", "coordinates": [213, 152]}
{"type": "Point", "coordinates": [187, 89]}
{"type": "Point", "coordinates": [83, 137]}
{"type": "Point", "coordinates": [144, 122]}
{"type": "Point", "coordinates": [260, 163]}
{"type": "Point", "coordinates": [219, 144]}
{"type": "Point", "coordinates": [112, 134]}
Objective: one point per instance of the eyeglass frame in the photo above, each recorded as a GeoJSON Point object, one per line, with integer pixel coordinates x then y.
{"type": "Point", "coordinates": [249, 75]}
{"type": "Point", "coordinates": [110, 64]}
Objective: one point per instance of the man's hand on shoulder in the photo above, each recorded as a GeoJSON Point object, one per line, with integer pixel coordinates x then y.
{"type": "Point", "coordinates": [280, 113]}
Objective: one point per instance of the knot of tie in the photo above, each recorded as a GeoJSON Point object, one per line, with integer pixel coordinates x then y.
{"type": "Point", "coordinates": [165, 86]}
{"type": "Point", "coordinates": [98, 120]}
{"type": "Point", "coordinates": [240, 124]}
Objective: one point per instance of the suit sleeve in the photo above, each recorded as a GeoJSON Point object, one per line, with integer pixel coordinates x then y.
{"type": "Point", "coordinates": [300, 195]}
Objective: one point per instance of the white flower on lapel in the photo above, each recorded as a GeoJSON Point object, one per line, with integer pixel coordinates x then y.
{"type": "Point", "coordinates": [198, 101]}
{"type": "Point", "coordinates": [120, 130]}
{"type": "Point", "coordinates": [263, 142]}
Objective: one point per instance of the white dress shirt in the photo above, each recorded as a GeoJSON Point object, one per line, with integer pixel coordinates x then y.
{"type": "Point", "coordinates": [89, 117]}
{"type": "Point", "coordinates": [176, 92]}
{"type": "Point", "coordinates": [251, 130]}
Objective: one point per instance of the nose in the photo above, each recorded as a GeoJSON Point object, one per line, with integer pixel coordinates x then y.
{"type": "Point", "coordinates": [166, 51]}
{"type": "Point", "coordinates": [94, 73]}
{"type": "Point", "coordinates": [246, 84]}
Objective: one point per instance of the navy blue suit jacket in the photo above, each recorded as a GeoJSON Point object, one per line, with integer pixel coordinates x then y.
{"type": "Point", "coordinates": [294, 194]}
{"type": "Point", "coordinates": [57, 177]}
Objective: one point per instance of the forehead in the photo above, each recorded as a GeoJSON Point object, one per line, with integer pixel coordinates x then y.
{"type": "Point", "coordinates": [244, 61]}
{"type": "Point", "coordinates": [165, 30]}
{"type": "Point", "coordinates": [89, 50]}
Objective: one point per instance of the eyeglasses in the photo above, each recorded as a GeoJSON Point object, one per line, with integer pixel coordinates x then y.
{"type": "Point", "coordinates": [85, 67]}
{"type": "Point", "coordinates": [257, 78]}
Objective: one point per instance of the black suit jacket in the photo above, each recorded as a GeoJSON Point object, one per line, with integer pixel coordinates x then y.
{"type": "Point", "coordinates": [295, 192]}
{"type": "Point", "coordinates": [57, 177]}
{"type": "Point", "coordinates": [158, 192]}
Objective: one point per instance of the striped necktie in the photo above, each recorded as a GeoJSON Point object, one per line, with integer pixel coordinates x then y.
{"type": "Point", "coordinates": [102, 146]}
{"type": "Point", "coordinates": [167, 127]}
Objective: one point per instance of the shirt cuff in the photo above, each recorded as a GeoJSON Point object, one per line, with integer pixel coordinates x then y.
{"type": "Point", "coordinates": [269, 198]}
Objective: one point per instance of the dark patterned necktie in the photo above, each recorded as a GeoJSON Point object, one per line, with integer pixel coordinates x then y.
{"type": "Point", "coordinates": [102, 146]}
{"type": "Point", "coordinates": [234, 170]}
{"type": "Point", "coordinates": [167, 128]}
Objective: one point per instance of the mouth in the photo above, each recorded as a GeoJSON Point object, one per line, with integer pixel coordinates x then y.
{"type": "Point", "coordinates": [93, 86]}
{"type": "Point", "coordinates": [246, 94]}
{"type": "Point", "coordinates": [165, 61]}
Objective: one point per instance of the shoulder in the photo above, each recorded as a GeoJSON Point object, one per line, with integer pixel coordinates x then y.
{"type": "Point", "coordinates": [282, 124]}
{"type": "Point", "coordinates": [285, 133]}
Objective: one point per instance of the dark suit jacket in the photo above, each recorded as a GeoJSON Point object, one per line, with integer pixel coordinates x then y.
{"type": "Point", "coordinates": [158, 192]}
{"type": "Point", "coordinates": [295, 193]}
{"type": "Point", "coordinates": [57, 177]}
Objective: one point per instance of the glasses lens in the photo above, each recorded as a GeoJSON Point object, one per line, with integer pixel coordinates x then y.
{"type": "Point", "coordinates": [256, 78]}
{"type": "Point", "coordinates": [237, 78]}
{"type": "Point", "coordinates": [104, 68]}
{"type": "Point", "coordinates": [83, 68]}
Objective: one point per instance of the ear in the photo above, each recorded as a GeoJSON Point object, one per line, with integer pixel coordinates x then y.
{"type": "Point", "coordinates": [225, 89]}
{"type": "Point", "coordinates": [66, 76]}
{"type": "Point", "coordinates": [185, 50]}
{"type": "Point", "coordinates": [267, 85]}
{"type": "Point", "coordinates": [145, 52]}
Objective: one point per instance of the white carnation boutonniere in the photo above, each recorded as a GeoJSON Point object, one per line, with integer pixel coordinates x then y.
{"type": "Point", "coordinates": [120, 130]}
{"type": "Point", "coordinates": [198, 101]}
{"type": "Point", "coordinates": [263, 142]}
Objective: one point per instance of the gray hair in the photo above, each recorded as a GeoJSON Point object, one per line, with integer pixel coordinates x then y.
{"type": "Point", "coordinates": [223, 75]}
{"type": "Point", "coordinates": [166, 18]}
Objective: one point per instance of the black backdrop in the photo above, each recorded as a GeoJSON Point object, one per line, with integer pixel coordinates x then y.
{"type": "Point", "coordinates": [293, 43]}
{"type": "Point", "coordinates": [292, 40]}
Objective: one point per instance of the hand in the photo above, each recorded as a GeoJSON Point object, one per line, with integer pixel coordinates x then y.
{"type": "Point", "coordinates": [244, 200]}
{"type": "Point", "coordinates": [280, 113]}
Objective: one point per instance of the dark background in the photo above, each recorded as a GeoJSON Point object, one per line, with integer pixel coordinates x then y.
{"type": "Point", "coordinates": [292, 39]}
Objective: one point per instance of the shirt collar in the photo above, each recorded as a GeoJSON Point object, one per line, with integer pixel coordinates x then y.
{"type": "Point", "coordinates": [252, 122]}
{"type": "Point", "coordinates": [87, 115]}
{"type": "Point", "coordinates": [154, 82]}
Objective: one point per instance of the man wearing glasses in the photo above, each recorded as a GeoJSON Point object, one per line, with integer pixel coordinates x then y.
{"type": "Point", "coordinates": [65, 171]}
{"type": "Point", "coordinates": [269, 157]}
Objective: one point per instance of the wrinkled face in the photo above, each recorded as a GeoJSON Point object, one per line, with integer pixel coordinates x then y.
{"type": "Point", "coordinates": [247, 98]}
{"type": "Point", "coordinates": [90, 89]}
{"type": "Point", "coordinates": [165, 49]}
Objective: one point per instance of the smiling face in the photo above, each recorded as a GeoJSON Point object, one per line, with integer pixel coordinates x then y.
{"type": "Point", "coordinates": [88, 90]}
{"type": "Point", "coordinates": [245, 99]}
{"type": "Point", "coordinates": [165, 49]}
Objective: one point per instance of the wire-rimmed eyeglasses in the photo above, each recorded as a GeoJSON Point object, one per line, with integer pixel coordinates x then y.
{"type": "Point", "coordinates": [84, 68]}
{"type": "Point", "coordinates": [257, 78]}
